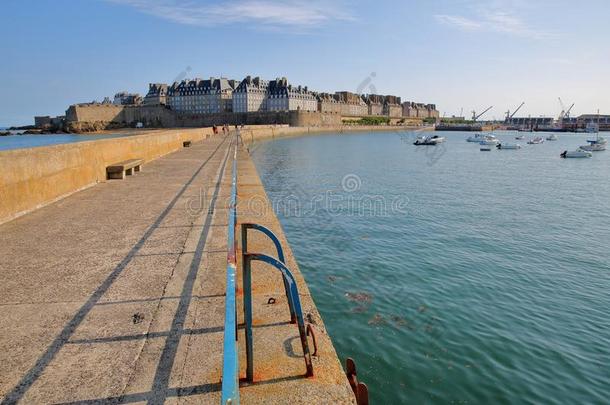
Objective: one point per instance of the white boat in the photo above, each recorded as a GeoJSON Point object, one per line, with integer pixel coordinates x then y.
{"type": "Point", "coordinates": [478, 138]}
{"type": "Point", "coordinates": [520, 137]}
{"type": "Point", "coordinates": [578, 153]}
{"type": "Point", "coordinates": [599, 140]}
{"type": "Point", "coordinates": [475, 138]}
{"type": "Point", "coordinates": [552, 137]}
{"type": "Point", "coordinates": [537, 140]}
{"type": "Point", "coordinates": [592, 127]}
{"type": "Point", "coordinates": [508, 146]}
{"type": "Point", "coordinates": [485, 147]}
{"type": "Point", "coordinates": [594, 147]}
{"type": "Point", "coordinates": [429, 140]}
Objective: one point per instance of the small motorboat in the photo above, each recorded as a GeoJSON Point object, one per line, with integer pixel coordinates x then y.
{"type": "Point", "coordinates": [552, 137]}
{"type": "Point", "coordinates": [508, 146]}
{"type": "Point", "coordinates": [475, 138]}
{"type": "Point", "coordinates": [429, 140]}
{"type": "Point", "coordinates": [520, 137]}
{"type": "Point", "coordinates": [485, 147]}
{"type": "Point", "coordinates": [578, 153]}
{"type": "Point", "coordinates": [536, 141]}
{"type": "Point", "coordinates": [478, 138]}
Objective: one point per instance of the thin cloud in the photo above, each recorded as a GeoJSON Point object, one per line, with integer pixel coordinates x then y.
{"type": "Point", "coordinates": [265, 13]}
{"type": "Point", "coordinates": [463, 23]}
{"type": "Point", "coordinates": [499, 18]}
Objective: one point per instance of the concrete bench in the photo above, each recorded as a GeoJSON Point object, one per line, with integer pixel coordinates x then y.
{"type": "Point", "coordinates": [119, 170]}
{"type": "Point", "coordinates": [186, 144]}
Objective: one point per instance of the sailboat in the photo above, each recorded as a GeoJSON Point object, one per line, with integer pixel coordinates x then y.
{"type": "Point", "coordinates": [599, 143]}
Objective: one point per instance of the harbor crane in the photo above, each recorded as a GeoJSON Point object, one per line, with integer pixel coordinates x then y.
{"type": "Point", "coordinates": [475, 117]}
{"type": "Point", "coordinates": [509, 116]}
{"type": "Point", "coordinates": [565, 113]}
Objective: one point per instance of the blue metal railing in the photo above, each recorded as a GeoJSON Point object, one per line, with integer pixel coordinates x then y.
{"type": "Point", "coordinates": [230, 366]}
{"type": "Point", "coordinates": [292, 295]}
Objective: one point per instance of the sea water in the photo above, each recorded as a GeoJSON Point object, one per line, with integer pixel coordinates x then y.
{"type": "Point", "coordinates": [449, 274]}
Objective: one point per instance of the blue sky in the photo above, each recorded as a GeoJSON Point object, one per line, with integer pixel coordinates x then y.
{"type": "Point", "coordinates": [458, 54]}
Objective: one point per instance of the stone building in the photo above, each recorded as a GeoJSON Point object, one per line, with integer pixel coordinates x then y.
{"type": "Point", "coordinates": [199, 96]}
{"type": "Point", "coordinates": [409, 110]}
{"type": "Point", "coordinates": [374, 103]}
{"type": "Point", "coordinates": [125, 98]}
{"type": "Point", "coordinates": [42, 121]}
{"type": "Point", "coordinates": [432, 111]}
{"type": "Point", "coordinates": [419, 110]}
{"type": "Point", "coordinates": [351, 104]}
{"type": "Point", "coordinates": [157, 94]}
{"type": "Point", "coordinates": [327, 103]}
{"type": "Point", "coordinates": [281, 96]}
{"type": "Point", "coordinates": [251, 95]}
{"type": "Point", "coordinates": [392, 107]}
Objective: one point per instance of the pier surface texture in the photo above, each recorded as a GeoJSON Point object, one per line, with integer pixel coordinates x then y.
{"type": "Point", "coordinates": [115, 294]}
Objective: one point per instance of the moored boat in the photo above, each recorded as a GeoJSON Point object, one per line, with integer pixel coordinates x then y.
{"type": "Point", "coordinates": [578, 153]}
{"type": "Point", "coordinates": [475, 138]}
{"type": "Point", "coordinates": [537, 140]}
{"type": "Point", "coordinates": [594, 147]}
{"type": "Point", "coordinates": [508, 146]}
{"type": "Point", "coordinates": [429, 140]}
{"type": "Point", "coordinates": [485, 147]}
{"type": "Point", "coordinates": [478, 138]}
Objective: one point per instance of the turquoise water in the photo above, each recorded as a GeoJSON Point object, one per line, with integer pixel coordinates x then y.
{"type": "Point", "coordinates": [485, 279]}
{"type": "Point", "coordinates": [30, 141]}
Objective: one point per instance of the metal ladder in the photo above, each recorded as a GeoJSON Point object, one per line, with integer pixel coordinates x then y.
{"type": "Point", "coordinates": [230, 370]}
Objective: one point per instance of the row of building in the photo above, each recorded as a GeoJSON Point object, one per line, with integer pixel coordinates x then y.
{"type": "Point", "coordinates": [221, 95]}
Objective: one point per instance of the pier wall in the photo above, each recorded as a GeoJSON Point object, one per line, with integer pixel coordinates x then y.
{"type": "Point", "coordinates": [253, 134]}
{"type": "Point", "coordinates": [34, 177]}
{"type": "Point", "coordinates": [95, 117]}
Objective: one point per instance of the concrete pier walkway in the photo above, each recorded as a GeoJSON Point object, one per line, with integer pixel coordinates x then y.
{"type": "Point", "coordinates": [116, 294]}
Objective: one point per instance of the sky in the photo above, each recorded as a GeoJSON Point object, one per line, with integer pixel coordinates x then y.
{"type": "Point", "coordinates": [462, 55]}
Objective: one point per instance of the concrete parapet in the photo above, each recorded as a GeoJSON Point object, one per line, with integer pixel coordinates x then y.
{"type": "Point", "coordinates": [32, 178]}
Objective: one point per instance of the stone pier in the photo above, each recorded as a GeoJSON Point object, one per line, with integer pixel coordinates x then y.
{"type": "Point", "coordinates": [115, 294]}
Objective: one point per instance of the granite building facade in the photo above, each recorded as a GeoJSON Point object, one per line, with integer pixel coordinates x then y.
{"type": "Point", "coordinates": [251, 95]}
{"type": "Point", "coordinates": [157, 94]}
{"type": "Point", "coordinates": [254, 94]}
{"type": "Point", "coordinates": [351, 104]}
{"type": "Point", "coordinates": [125, 98]}
{"type": "Point", "coordinates": [199, 96]}
{"type": "Point", "coordinates": [281, 96]}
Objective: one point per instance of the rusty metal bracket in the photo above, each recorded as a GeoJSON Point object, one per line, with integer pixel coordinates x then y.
{"type": "Point", "coordinates": [313, 338]}
{"type": "Point", "coordinates": [280, 256]}
{"type": "Point", "coordinates": [293, 301]}
{"type": "Point", "coordinates": [360, 389]}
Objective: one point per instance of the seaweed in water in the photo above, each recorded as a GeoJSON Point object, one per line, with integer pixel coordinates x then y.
{"type": "Point", "coordinates": [359, 309]}
{"type": "Point", "coordinates": [399, 320]}
{"type": "Point", "coordinates": [362, 297]}
{"type": "Point", "coordinates": [376, 320]}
